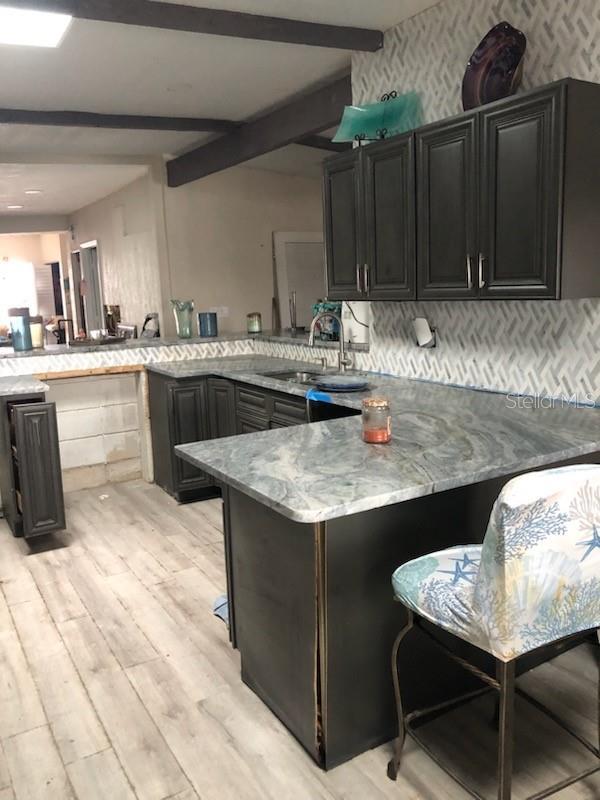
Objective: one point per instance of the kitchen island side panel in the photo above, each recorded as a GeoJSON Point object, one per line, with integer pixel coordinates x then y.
{"type": "Point", "coordinates": [273, 569]}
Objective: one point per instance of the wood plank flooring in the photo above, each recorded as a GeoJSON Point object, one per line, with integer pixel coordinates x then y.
{"type": "Point", "coordinates": [116, 681]}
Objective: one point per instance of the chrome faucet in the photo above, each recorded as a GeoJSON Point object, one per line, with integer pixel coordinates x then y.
{"type": "Point", "coordinates": [343, 359]}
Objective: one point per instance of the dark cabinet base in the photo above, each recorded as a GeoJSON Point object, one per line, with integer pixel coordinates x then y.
{"type": "Point", "coordinates": [320, 659]}
{"type": "Point", "coordinates": [30, 471]}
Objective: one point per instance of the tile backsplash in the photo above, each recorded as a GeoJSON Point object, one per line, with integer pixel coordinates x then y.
{"type": "Point", "coordinates": [529, 347]}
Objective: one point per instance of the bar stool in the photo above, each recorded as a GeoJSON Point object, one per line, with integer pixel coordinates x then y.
{"type": "Point", "coordinates": [534, 582]}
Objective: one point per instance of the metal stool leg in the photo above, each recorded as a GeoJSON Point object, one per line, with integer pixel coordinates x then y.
{"type": "Point", "coordinates": [506, 679]}
{"type": "Point", "coordinates": [394, 764]}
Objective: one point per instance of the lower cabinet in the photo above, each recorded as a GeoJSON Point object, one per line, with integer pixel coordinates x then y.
{"type": "Point", "coordinates": [30, 471]}
{"type": "Point", "coordinates": [197, 409]}
{"type": "Point", "coordinates": [251, 425]}
{"type": "Point", "coordinates": [221, 408]}
{"type": "Point", "coordinates": [178, 415]}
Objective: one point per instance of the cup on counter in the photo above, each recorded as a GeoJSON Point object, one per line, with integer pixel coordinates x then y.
{"type": "Point", "coordinates": [207, 324]}
{"type": "Point", "coordinates": [20, 329]}
{"type": "Point", "coordinates": [36, 326]}
{"type": "Point", "coordinates": [254, 322]}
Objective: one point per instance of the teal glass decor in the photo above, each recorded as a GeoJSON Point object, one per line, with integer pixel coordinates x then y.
{"type": "Point", "coordinates": [183, 310]}
{"type": "Point", "coordinates": [393, 115]}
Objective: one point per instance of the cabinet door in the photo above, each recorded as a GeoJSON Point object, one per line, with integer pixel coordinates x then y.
{"type": "Point", "coordinates": [343, 226]}
{"type": "Point", "coordinates": [38, 478]}
{"type": "Point", "coordinates": [288, 411]}
{"type": "Point", "coordinates": [447, 201]}
{"type": "Point", "coordinates": [251, 424]}
{"type": "Point", "coordinates": [389, 185]}
{"type": "Point", "coordinates": [188, 418]}
{"type": "Point", "coordinates": [221, 408]}
{"type": "Point", "coordinates": [521, 184]}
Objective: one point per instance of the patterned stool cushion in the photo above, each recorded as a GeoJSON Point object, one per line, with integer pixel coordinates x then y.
{"type": "Point", "coordinates": [536, 578]}
{"type": "Point", "coordinates": [440, 587]}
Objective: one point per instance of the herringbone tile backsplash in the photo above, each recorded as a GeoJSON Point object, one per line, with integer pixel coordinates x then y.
{"type": "Point", "coordinates": [551, 348]}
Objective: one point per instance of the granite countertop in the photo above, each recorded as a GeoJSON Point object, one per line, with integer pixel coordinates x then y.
{"type": "Point", "coordinates": [134, 344]}
{"type": "Point", "coordinates": [21, 385]}
{"type": "Point", "coordinates": [443, 437]}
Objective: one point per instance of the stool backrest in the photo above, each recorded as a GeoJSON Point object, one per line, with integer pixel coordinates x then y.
{"type": "Point", "coordinates": [539, 578]}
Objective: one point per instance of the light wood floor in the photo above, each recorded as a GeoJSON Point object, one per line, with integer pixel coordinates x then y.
{"type": "Point", "coordinates": [117, 682]}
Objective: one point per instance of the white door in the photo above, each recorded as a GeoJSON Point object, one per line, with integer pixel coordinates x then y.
{"type": "Point", "coordinates": [300, 268]}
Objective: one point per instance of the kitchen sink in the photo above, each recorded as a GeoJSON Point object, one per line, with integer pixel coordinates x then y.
{"type": "Point", "coordinates": [290, 376]}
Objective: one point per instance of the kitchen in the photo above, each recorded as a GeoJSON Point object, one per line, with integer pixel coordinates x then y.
{"type": "Point", "coordinates": [505, 286]}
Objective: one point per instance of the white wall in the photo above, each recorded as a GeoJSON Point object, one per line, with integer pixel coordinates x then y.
{"type": "Point", "coordinates": [125, 226]}
{"type": "Point", "coordinates": [219, 233]}
{"type": "Point", "coordinates": [98, 429]}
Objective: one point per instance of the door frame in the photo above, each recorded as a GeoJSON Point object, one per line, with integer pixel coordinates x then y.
{"type": "Point", "coordinates": [280, 278]}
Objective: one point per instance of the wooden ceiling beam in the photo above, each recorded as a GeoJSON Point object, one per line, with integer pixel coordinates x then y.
{"type": "Point", "coordinates": [85, 119]}
{"type": "Point", "coordinates": [217, 22]}
{"type": "Point", "coordinates": [323, 143]}
{"type": "Point", "coordinates": [317, 111]}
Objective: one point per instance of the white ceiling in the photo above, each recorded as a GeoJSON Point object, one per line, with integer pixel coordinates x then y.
{"type": "Point", "coordinates": [51, 140]}
{"type": "Point", "coordinates": [122, 69]}
{"type": "Point", "coordinates": [381, 14]}
{"type": "Point", "coordinates": [292, 160]}
{"type": "Point", "coordinates": [65, 187]}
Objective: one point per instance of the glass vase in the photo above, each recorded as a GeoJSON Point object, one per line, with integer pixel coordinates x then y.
{"type": "Point", "coordinates": [183, 311]}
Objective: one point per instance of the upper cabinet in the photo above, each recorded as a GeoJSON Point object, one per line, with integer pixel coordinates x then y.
{"type": "Point", "coordinates": [370, 222]}
{"type": "Point", "coordinates": [522, 148]}
{"type": "Point", "coordinates": [343, 231]}
{"type": "Point", "coordinates": [447, 169]}
{"type": "Point", "coordinates": [502, 202]}
{"type": "Point", "coordinates": [389, 219]}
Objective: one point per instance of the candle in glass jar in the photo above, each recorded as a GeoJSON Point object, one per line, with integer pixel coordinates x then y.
{"type": "Point", "coordinates": [377, 421]}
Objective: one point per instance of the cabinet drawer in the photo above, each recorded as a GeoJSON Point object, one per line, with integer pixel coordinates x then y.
{"type": "Point", "coordinates": [251, 401]}
{"type": "Point", "coordinates": [251, 424]}
{"type": "Point", "coordinates": [288, 412]}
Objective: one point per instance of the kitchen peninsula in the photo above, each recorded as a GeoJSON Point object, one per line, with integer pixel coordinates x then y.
{"type": "Point", "coordinates": [316, 521]}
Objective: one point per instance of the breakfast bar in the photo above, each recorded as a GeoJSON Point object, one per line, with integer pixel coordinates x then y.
{"type": "Point", "coordinates": [316, 521]}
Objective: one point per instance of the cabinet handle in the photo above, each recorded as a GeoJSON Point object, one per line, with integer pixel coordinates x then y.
{"type": "Point", "coordinates": [481, 278]}
{"type": "Point", "coordinates": [469, 273]}
{"type": "Point", "coordinates": [358, 282]}
{"type": "Point", "coordinates": [366, 284]}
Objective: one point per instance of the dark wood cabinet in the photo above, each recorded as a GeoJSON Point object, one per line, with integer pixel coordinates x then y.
{"type": "Point", "coordinates": [389, 269]}
{"type": "Point", "coordinates": [369, 202]}
{"type": "Point", "coordinates": [261, 410]}
{"type": "Point", "coordinates": [521, 161]}
{"type": "Point", "coordinates": [447, 200]}
{"type": "Point", "coordinates": [251, 424]}
{"type": "Point", "coordinates": [37, 468]}
{"type": "Point", "coordinates": [178, 415]}
{"type": "Point", "coordinates": [505, 198]}
{"type": "Point", "coordinates": [343, 226]}
{"type": "Point", "coordinates": [197, 409]}
{"type": "Point", "coordinates": [30, 470]}
{"type": "Point", "coordinates": [189, 421]}
{"type": "Point", "coordinates": [221, 408]}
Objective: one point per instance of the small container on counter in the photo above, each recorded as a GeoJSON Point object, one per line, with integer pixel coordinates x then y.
{"type": "Point", "coordinates": [254, 322]}
{"type": "Point", "coordinates": [207, 324]}
{"type": "Point", "coordinates": [36, 326]}
{"type": "Point", "coordinates": [19, 329]}
{"type": "Point", "coordinates": [376, 421]}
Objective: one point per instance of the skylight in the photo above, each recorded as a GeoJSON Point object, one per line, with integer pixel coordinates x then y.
{"type": "Point", "coordinates": [32, 28]}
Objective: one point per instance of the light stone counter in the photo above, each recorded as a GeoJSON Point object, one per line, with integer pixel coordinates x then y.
{"type": "Point", "coordinates": [443, 437]}
{"type": "Point", "coordinates": [21, 385]}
